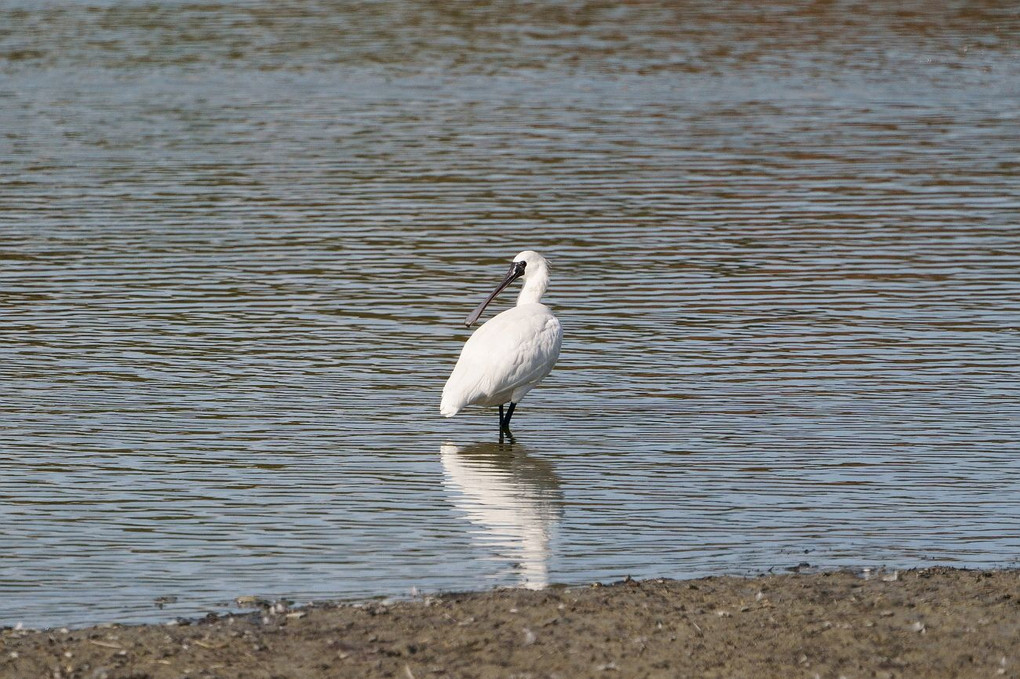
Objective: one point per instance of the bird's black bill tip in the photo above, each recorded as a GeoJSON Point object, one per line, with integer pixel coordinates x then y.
{"type": "Point", "coordinates": [474, 315]}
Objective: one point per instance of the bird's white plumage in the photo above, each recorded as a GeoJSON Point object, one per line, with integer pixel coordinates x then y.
{"type": "Point", "coordinates": [512, 352]}
{"type": "Point", "coordinates": [504, 359]}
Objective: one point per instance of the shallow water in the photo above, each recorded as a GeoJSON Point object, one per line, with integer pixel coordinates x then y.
{"type": "Point", "coordinates": [237, 245]}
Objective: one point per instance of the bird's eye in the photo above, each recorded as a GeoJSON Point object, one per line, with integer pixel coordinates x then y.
{"type": "Point", "coordinates": [521, 266]}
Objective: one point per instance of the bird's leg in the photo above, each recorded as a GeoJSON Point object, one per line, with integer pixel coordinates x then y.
{"type": "Point", "coordinates": [504, 422]}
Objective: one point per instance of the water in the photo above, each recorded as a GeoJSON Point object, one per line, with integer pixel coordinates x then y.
{"type": "Point", "coordinates": [237, 243]}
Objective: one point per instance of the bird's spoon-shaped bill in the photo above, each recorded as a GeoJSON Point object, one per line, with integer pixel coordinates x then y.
{"type": "Point", "coordinates": [515, 272]}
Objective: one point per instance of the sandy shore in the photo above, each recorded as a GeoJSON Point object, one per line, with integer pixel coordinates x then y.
{"type": "Point", "coordinates": [921, 623]}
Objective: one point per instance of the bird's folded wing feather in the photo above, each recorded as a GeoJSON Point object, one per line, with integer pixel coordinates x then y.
{"type": "Point", "coordinates": [506, 356]}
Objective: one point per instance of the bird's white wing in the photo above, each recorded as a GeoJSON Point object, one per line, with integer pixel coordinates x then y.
{"type": "Point", "coordinates": [516, 348]}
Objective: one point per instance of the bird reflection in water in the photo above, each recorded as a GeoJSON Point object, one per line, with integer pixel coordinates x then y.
{"type": "Point", "coordinates": [514, 498]}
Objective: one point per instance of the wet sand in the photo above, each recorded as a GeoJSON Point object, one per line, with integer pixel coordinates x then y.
{"type": "Point", "coordinates": [934, 622]}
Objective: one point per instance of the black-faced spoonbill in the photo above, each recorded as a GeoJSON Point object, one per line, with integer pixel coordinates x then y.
{"type": "Point", "coordinates": [512, 352]}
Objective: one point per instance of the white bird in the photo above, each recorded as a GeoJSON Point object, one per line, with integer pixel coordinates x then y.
{"type": "Point", "coordinates": [512, 352]}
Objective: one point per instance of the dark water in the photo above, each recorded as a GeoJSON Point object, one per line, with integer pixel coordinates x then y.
{"type": "Point", "coordinates": [237, 242]}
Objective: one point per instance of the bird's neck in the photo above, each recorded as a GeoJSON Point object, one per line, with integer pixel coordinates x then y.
{"type": "Point", "coordinates": [533, 290]}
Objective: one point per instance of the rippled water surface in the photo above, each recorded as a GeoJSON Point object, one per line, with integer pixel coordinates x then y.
{"type": "Point", "coordinates": [238, 241]}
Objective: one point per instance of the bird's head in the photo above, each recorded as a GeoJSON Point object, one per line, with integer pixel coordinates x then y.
{"type": "Point", "coordinates": [532, 265]}
{"type": "Point", "coordinates": [528, 266]}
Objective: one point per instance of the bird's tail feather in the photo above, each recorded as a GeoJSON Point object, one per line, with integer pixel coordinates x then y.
{"type": "Point", "coordinates": [448, 409]}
